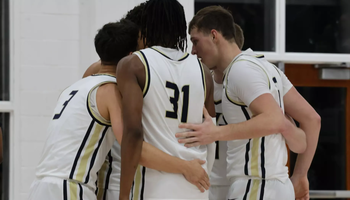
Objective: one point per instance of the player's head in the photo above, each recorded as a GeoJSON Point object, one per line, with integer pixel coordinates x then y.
{"type": "Point", "coordinates": [116, 40]}
{"type": "Point", "coordinates": [211, 26]}
{"type": "Point", "coordinates": [239, 36]}
{"type": "Point", "coordinates": [135, 14]}
{"type": "Point", "coordinates": [164, 24]}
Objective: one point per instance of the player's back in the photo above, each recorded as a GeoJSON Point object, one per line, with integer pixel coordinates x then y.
{"type": "Point", "coordinates": [78, 137]}
{"type": "Point", "coordinates": [174, 93]}
{"type": "Point", "coordinates": [263, 157]}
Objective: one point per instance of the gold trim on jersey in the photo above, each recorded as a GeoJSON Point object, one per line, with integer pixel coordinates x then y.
{"type": "Point", "coordinates": [104, 74]}
{"type": "Point", "coordinates": [228, 97]}
{"type": "Point", "coordinates": [73, 190]}
{"type": "Point", "coordinates": [94, 115]}
{"type": "Point", "coordinates": [216, 102]}
{"type": "Point", "coordinates": [254, 163]}
{"type": "Point", "coordinates": [226, 93]}
{"type": "Point", "coordinates": [254, 190]}
{"type": "Point", "coordinates": [138, 179]}
{"type": "Point", "coordinates": [147, 72]}
{"type": "Point", "coordinates": [89, 149]}
{"type": "Point", "coordinates": [101, 180]}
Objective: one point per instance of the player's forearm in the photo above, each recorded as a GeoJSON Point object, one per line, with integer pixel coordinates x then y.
{"type": "Point", "coordinates": [130, 155]}
{"type": "Point", "coordinates": [312, 130]}
{"type": "Point", "coordinates": [153, 158]}
{"type": "Point", "coordinates": [259, 126]}
{"type": "Point", "coordinates": [295, 138]}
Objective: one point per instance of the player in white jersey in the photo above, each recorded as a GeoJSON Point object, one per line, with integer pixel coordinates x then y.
{"type": "Point", "coordinates": [219, 184]}
{"type": "Point", "coordinates": [80, 133]}
{"type": "Point", "coordinates": [161, 87]}
{"type": "Point", "coordinates": [109, 174]}
{"type": "Point", "coordinates": [258, 93]}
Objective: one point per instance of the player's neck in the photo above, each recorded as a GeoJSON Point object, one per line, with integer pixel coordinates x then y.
{"type": "Point", "coordinates": [218, 76]}
{"type": "Point", "coordinates": [108, 69]}
{"type": "Point", "coordinates": [227, 52]}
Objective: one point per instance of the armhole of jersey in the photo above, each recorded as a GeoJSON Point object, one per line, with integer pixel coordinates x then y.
{"type": "Point", "coordinates": [226, 93]}
{"type": "Point", "coordinates": [203, 79]}
{"type": "Point", "coordinates": [143, 59]}
{"type": "Point", "coordinates": [95, 114]}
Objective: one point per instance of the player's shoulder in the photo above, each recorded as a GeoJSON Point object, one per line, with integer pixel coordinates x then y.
{"type": "Point", "coordinates": [109, 92]}
{"type": "Point", "coordinates": [131, 62]}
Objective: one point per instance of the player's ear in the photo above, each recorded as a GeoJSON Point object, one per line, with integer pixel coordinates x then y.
{"type": "Point", "coordinates": [213, 34]}
{"type": "Point", "coordinates": [130, 53]}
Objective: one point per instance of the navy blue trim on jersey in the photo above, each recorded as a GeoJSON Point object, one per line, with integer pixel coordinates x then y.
{"type": "Point", "coordinates": [87, 134]}
{"type": "Point", "coordinates": [92, 162]}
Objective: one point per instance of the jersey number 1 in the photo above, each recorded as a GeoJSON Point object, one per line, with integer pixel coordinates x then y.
{"type": "Point", "coordinates": [174, 100]}
{"type": "Point", "coordinates": [56, 116]}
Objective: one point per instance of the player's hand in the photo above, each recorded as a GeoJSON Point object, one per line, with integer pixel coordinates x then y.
{"type": "Point", "coordinates": [201, 134]}
{"type": "Point", "coordinates": [195, 174]}
{"type": "Point", "coordinates": [301, 187]}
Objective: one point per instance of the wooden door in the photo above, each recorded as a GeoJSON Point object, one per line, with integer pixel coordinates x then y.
{"type": "Point", "coordinates": [335, 130]}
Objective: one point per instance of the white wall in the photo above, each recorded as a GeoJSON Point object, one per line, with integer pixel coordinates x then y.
{"type": "Point", "coordinates": [51, 46]}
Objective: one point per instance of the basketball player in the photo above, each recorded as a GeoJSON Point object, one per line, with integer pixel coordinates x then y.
{"type": "Point", "coordinates": [80, 133]}
{"type": "Point", "coordinates": [109, 175]}
{"type": "Point", "coordinates": [133, 15]}
{"type": "Point", "coordinates": [219, 185]}
{"type": "Point", "coordinates": [252, 87]}
{"type": "Point", "coordinates": [161, 87]}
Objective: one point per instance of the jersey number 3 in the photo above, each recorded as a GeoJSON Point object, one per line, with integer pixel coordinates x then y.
{"type": "Point", "coordinates": [57, 116]}
{"type": "Point", "coordinates": [174, 100]}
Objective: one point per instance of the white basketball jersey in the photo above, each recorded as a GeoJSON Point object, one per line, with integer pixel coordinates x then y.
{"type": "Point", "coordinates": [263, 157]}
{"type": "Point", "coordinates": [109, 174]}
{"type": "Point", "coordinates": [218, 173]}
{"type": "Point", "coordinates": [78, 139]}
{"type": "Point", "coordinates": [174, 93]}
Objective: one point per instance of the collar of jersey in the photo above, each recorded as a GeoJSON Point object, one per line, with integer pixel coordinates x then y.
{"type": "Point", "coordinates": [159, 51]}
{"type": "Point", "coordinates": [103, 74]}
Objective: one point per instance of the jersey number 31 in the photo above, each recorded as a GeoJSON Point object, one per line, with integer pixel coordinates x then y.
{"type": "Point", "coordinates": [174, 100]}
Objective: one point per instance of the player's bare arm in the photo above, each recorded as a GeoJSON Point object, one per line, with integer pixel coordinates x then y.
{"type": "Point", "coordinates": [269, 119]}
{"type": "Point", "coordinates": [131, 79]}
{"type": "Point", "coordinates": [310, 122]}
{"type": "Point", "coordinates": [295, 137]}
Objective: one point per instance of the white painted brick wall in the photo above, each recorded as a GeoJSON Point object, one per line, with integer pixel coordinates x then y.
{"type": "Point", "coordinates": [49, 61]}
{"type": "Point", "coordinates": [53, 44]}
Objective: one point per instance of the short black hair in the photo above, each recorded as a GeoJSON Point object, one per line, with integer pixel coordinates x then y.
{"type": "Point", "coordinates": [116, 40]}
{"type": "Point", "coordinates": [214, 17]}
{"type": "Point", "coordinates": [135, 14]}
{"type": "Point", "coordinates": [163, 23]}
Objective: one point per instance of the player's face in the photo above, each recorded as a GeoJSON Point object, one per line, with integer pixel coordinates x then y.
{"type": "Point", "coordinates": [204, 47]}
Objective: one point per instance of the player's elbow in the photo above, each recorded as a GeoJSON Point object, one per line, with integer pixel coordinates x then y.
{"type": "Point", "coordinates": [301, 147]}
{"type": "Point", "coordinates": [312, 119]}
{"type": "Point", "coordinates": [132, 135]}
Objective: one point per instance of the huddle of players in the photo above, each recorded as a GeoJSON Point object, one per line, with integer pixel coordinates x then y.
{"type": "Point", "coordinates": [82, 159]}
